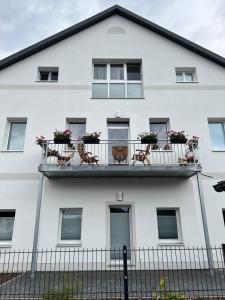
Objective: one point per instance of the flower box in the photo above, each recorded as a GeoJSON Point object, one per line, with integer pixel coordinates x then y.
{"type": "Point", "coordinates": [62, 141]}
{"type": "Point", "coordinates": [91, 141]}
{"type": "Point", "coordinates": [149, 140]}
{"type": "Point", "coordinates": [178, 140]}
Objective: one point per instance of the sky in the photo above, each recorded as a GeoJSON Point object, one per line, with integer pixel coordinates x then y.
{"type": "Point", "coordinates": [25, 22]}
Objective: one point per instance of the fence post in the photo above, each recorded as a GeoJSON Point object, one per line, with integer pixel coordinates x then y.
{"type": "Point", "coordinates": [125, 273]}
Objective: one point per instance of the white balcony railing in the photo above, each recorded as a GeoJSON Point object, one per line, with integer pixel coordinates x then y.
{"type": "Point", "coordinates": [119, 153]}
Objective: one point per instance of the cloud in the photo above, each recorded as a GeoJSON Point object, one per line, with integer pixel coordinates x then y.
{"type": "Point", "coordinates": [25, 22]}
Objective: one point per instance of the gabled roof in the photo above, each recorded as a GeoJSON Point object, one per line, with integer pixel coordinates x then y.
{"type": "Point", "coordinates": [116, 9]}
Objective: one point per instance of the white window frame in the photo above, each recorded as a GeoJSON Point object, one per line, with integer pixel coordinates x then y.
{"type": "Point", "coordinates": [8, 243]}
{"type": "Point", "coordinates": [184, 72]}
{"type": "Point", "coordinates": [9, 121]}
{"type": "Point", "coordinates": [216, 121]}
{"type": "Point", "coordinates": [50, 70]}
{"type": "Point", "coordinates": [109, 81]}
{"type": "Point", "coordinates": [69, 243]}
{"type": "Point", "coordinates": [179, 240]}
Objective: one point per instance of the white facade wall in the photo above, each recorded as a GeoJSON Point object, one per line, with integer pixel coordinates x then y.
{"type": "Point", "coordinates": [47, 105]}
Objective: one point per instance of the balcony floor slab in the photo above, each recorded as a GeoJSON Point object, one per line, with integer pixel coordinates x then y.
{"type": "Point", "coordinates": [85, 171]}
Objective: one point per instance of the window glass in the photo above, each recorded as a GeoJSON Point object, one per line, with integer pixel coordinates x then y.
{"type": "Point", "coordinates": [133, 71]}
{"type": "Point", "coordinates": [117, 90]}
{"type": "Point", "coordinates": [116, 72]}
{"type": "Point", "coordinates": [100, 72]}
{"type": "Point", "coordinates": [16, 136]}
{"type": "Point", "coordinates": [161, 129]}
{"type": "Point", "coordinates": [189, 76]}
{"type": "Point", "coordinates": [167, 224]}
{"type": "Point", "coordinates": [179, 76]}
{"type": "Point", "coordinates": [217, 134]}
{"type": "Point", "coordinates": [44, 75]}
{"type": "Point", "coordinates": [78, 129]}
{"type": "Point", "coordinates": [6, 225]}
{"type": "Point", "coordinates": [71, 224]}
{"type": "Point", "coordinates": [54, 76]}
{"type": "Point", "coordinates": [100, 90]}
{"type": "Point", "coordinates": [134, 90]}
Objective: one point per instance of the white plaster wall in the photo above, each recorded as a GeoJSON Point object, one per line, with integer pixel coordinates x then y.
{"type": "Point", "coordinates": [47, 105]}
{"type": "Point", "coordinates": [145, 196]}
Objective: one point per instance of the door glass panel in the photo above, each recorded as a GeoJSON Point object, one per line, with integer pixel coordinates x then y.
{"type": "Point", "coordinates": [118, 143]}
{"type": "Point", "coordinates": [161, 130]}
{"type": "Point", "coordinates": [78, 129]}
{"type": "Point", "coordinates": [119, 231]}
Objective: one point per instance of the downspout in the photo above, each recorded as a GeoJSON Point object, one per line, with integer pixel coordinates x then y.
{"type": "Point", "coordinates": [205, 224]}
{"type": "Point", "coordinates": [36, 227]}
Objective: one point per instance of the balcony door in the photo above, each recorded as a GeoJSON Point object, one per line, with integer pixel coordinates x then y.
{"type": "Point", "coordinates": [120, 233]}
{"type": "Point", "coordinates": [118, 143]}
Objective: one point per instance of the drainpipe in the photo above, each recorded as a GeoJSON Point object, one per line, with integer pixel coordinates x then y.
{"type": "Point", "coordinates": [36, 227]}
{"type": "Point", "coordinates": [205, 224]}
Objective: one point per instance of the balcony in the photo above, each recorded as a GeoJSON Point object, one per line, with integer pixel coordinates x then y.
{"type": "Point", "coordinates": [119, 158]}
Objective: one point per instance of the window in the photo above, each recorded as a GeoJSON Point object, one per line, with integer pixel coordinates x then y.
{"type": "Point", "coordinates": [167, 224]}
{"type": "Point", "coordinates": [6, 225]}
{"type": "Point", "coordinates": [186, 75]}
{"type": "Point", "coordinates": [117, 80]}
{"type": "Point", "coordinates": [16, 135]}
{"type": "Point", "coordinates": [71, 224]}
{"type": "Point", "coordinates": [217, 134]}
{"type": "Point", "coordinates": [48, 74]}
{"type": "Point", "coordinates": [78, 129]}
{"type": "Point", "coordinates": [162, 132]}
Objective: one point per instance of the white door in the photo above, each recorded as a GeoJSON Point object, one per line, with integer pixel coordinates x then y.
{"type": "Point", "coordinates": [118, 137]}
{"type": "Point", "coordinates": [120, 233]}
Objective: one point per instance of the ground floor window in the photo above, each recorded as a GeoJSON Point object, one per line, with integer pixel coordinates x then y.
{"type": "Point", "coordinates": [71, 224]}
{"type": "Point", "coordinates": [6, 225]}
{"type": "Point", "coordinates": [168, 224]}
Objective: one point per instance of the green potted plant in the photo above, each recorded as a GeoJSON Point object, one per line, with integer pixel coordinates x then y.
{"type": "Point", "coordinates": [62, 137]}
{"type": "Point", "coordinates": [148, 137]}
{"type": "Point", "coordinates": [91, 138]}
{"type": "Point", "coordinates": [177, 137]}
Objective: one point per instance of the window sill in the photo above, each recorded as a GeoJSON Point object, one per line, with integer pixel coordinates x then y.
{"type": "Point", "coordinates": [117, 98]}
{"type": "Point", "coordinates": [5, 245]}
{"type": "Point", "coordinates": [13, 151]}
{"type": "Point", "coordinates": [47, 81]}
{"type": "Point", "coordinates": [221, 150]}
{"type": "Point", "coordinates": [187, 82]}
{"type": "Point", "coordinates": [68, 244]}
{"type": "Point", "coordinates": [168, 244]}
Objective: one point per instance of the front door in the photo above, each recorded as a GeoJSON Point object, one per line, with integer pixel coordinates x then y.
{"type": "Point", "coordinates": [118, 143]}
{"type": "Point", "coordinates": [120, 233]}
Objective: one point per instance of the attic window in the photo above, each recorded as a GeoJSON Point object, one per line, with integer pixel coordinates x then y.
{"type": "Point", "coordinates": [186, 75]}
{"type": "Point", "coordinates": [48, 74]}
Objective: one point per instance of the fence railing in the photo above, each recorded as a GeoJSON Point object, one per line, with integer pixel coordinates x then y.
{"type": "Point", "coordinates": [158, 273]}
{"type": "Point", "coordinates": [119, 152]}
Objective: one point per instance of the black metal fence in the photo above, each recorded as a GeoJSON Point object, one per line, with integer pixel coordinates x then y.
{"type": "Point", "coordinates": [158, 273]}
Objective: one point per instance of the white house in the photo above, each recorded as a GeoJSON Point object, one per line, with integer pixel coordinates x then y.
{"type": "Point", "coordinates": [118, 74]}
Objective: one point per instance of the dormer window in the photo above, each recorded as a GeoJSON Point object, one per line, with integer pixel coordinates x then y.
{"type": "Point", "coordinates": [48, 74]}
{"type": "Point", "coordinates": [117, 80]}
